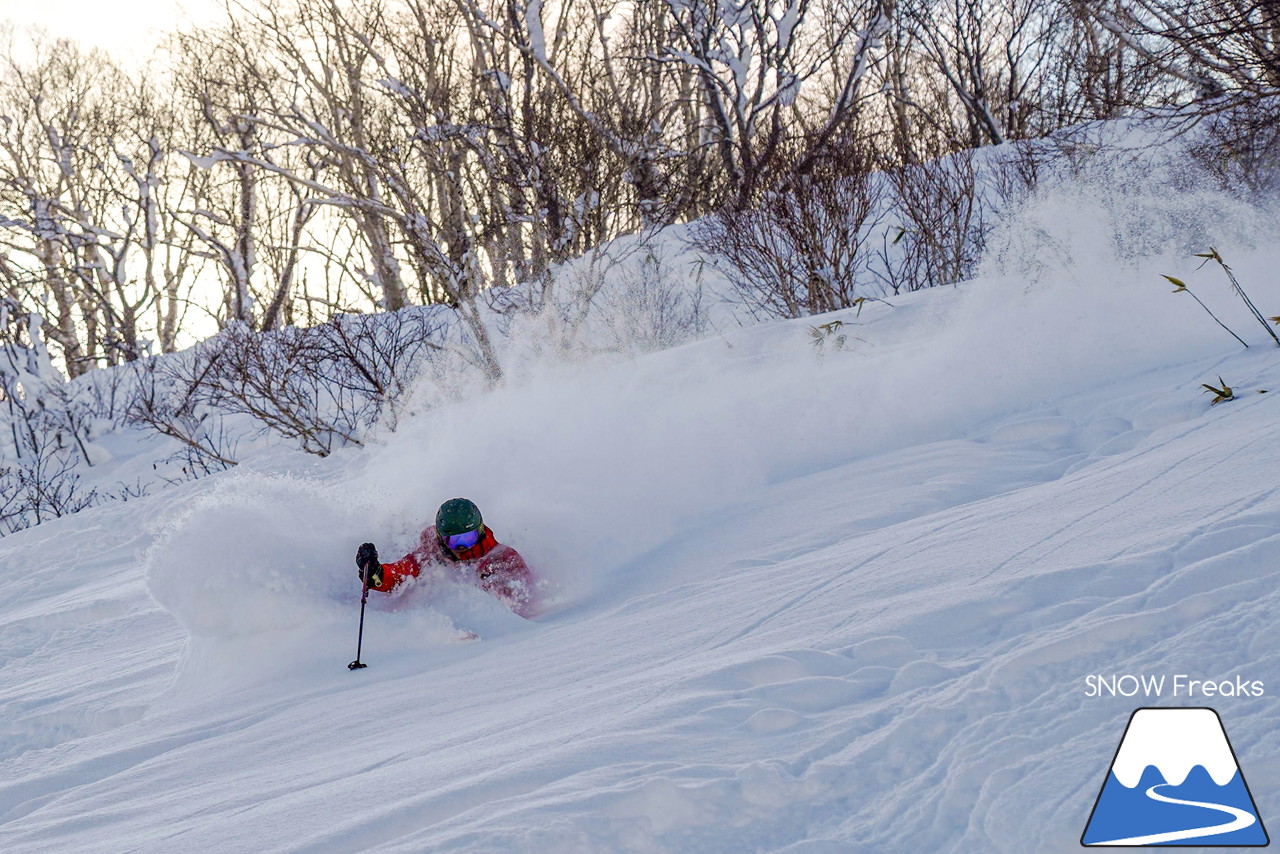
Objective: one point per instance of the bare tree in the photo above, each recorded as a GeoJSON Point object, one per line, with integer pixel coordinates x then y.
{"type": "Point", "coordinates": [223, 212]}
{"type": "Point", "coordinates": [319, 98]}
{"type": "Point", "coordinates": [1218, 53]}
{"type": "Point", "coordinates": [752, 61]}
{"type": "Point", "coordinates": [83, 179]}
{"type": "Point", "coordinates": [992, 55]}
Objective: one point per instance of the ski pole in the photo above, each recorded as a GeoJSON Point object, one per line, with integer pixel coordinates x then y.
{"type": "Point", "coordinates": [364, 597]}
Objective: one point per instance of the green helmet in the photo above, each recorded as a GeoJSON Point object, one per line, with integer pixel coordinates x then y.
{"type": "Point", "coordinates": [458, 516]}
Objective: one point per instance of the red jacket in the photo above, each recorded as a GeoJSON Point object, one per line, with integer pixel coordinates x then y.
{"type": "Point", "coordinates": [498, 569]}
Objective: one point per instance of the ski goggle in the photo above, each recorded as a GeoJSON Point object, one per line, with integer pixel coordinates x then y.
{"type": "Point", "coordinates": [457, 542]}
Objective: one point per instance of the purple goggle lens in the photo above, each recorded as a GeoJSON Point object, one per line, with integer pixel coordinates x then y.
{"type": "Point", "coordinates": [457, 542]}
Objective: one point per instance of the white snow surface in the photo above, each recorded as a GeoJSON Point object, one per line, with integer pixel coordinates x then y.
{"type": "Point", "coordinates": [802, 603]}
{"type": "Point", "coordinates": [1174, 741]}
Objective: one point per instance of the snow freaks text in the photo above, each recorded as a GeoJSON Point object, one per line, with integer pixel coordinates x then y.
{"type": "Point", "coordinates": [1176, 685]}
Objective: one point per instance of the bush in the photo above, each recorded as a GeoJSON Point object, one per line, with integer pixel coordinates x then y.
{"type": "Point", "coordinates": [43, 429]}
{"type": "Point", "coordinates": [1241, 147]}
{"type": "Point", "coordinates": [943, 230]}
{"type": "Point", "coordinates": [804, 249]}
{"type": "Point", "coordinates": [320, 387]}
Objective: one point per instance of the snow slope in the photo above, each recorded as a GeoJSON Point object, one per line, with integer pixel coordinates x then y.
{"type": "Point", "coordinates": [840, 602]}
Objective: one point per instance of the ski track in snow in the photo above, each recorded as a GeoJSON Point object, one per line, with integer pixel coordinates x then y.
{"type": "Point", "coordinates": [882, 653]}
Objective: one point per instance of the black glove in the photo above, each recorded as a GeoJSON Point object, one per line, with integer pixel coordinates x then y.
{"type": "Point", "coordinates": [367, 557]}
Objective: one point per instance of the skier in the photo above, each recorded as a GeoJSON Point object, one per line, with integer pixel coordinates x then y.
{"type": "Point", "coordinates": [462, 542]}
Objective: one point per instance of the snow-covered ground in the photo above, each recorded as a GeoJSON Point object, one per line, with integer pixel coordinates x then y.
{"type": "Point", "coordinates": [838, 601]}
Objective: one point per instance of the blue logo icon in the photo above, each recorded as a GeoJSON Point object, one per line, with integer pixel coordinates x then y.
{"type": "Point", "coordinates": [1175, 781]}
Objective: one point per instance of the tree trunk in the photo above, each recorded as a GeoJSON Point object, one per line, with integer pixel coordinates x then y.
{"type": "Point", "coordinates": [245, 249]}
{"type": "Point", "coordinates": [1271, 26]}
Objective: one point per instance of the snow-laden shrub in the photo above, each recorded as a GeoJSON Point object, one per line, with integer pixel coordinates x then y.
{"type": "Point", "coordinates": [321, 387]}
{"type": "Point", "coordinates": [1241, 147]}
{"type": "Point", "coordinates": [802, 250]}
{"type": "Point", "coordinates": [166, 400]}
{"type": "Point", "coordinates": [43, 429]}
{"type": "Point", "coordinates": [638, 294]}
{"type": "Point", "coordinates": [1100, 209]}
{"type": "Point", "coordinates": [943, 220]}
{"type": "Point", "coordinates": [650, 308]}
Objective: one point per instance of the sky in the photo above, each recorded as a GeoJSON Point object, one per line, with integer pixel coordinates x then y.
{"type": "Point", "coordinates": [126, 29]}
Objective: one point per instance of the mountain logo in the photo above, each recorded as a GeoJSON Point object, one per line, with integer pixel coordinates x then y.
{"type": "Point", "coordinates": [1175, 781]}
